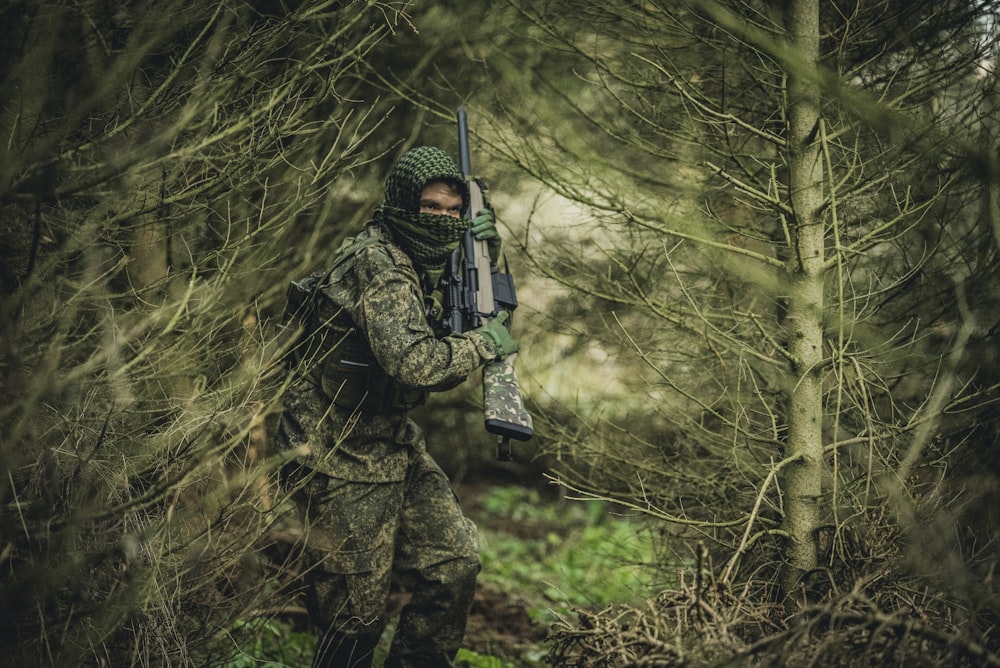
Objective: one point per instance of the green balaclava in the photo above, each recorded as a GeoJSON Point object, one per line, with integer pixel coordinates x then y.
{"type": "Point", "coordinates": [428, 238]}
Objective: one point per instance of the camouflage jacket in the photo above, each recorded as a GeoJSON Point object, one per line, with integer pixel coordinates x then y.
{"type": "Point", "coordinates": [346, 416]}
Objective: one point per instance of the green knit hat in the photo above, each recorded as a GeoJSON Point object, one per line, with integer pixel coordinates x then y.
{"type": "Point", "coordinates": [427, 238]}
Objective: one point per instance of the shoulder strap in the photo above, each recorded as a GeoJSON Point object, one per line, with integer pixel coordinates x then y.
{"type": "Point", "coordinates": [303, 293]}
{"type": "Point", "coordinates": [309, 286]}
{"type": "Point", "coordinates": [351, 246]}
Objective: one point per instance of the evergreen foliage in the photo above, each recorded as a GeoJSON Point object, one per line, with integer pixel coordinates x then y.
{"type": "Point", "coordinates": [168, 167]}
{"type": "Point", "coordinates": [709, 234]}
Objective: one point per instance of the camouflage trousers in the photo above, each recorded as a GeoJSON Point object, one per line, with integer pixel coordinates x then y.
{"type": "Point", "coordinates": [359, 535]}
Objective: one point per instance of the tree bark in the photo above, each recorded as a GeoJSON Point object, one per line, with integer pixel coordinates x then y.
{"type": "Point", "coordinates": [803, 481]}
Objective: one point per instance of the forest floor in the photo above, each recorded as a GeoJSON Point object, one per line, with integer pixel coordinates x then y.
{"type": "Point", "coordinates": [549, 562]}
{"type": "Point", "coordinates": [501, 631]}
{"type": "Point", "coordinates": [501, 626]}
{"type": "Point", "coordinates": [504, 622]}
{"type": "Point", "coordinates": [543, 558]}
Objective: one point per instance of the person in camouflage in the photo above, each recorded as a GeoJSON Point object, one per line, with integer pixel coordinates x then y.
{"type": "Point", "coordinates": [374, 503]}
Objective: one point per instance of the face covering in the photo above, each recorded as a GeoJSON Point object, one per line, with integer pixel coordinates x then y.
{"type": "Point", "coordinates": [426, 237]}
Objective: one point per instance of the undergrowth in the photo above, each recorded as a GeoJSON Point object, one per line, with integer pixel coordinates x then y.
{"type": "Point", "coordinates": [561, 555]}
{"type": "Point", "coordinates": [548, 557]}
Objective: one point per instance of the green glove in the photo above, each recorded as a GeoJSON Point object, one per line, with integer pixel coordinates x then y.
{"type": "Point", "coordinates": [484, 225]}
{"type": "Point", "coordinates": [496, 331]}
{"type": "Point", "coordinates": [484, 228]}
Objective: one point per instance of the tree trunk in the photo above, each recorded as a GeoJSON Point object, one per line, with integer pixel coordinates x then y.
{"type": "Point", "coordinates": [803, 482]}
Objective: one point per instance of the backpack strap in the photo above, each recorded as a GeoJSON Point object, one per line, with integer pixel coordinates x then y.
{"type": "Point", "coordinates": [350, 247]}
{"type": "Point", "coordinates": [302, 294]}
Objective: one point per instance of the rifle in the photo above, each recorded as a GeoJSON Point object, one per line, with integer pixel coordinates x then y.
{"type": "Point", "coordinates": [476, 291]}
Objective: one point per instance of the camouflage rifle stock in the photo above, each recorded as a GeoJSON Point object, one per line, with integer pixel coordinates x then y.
{"type": "Point", "coordinates": [476, 291]}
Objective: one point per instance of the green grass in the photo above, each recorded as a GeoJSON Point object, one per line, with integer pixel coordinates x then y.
{"type": "Point", "coordinates": [468, 659]}
{"type": "Point", "coordinates": [269, 643]}
{"type": "Point", "coordinates": [549, 556]}
{"type": "Point", "coordinates": [580, 554]}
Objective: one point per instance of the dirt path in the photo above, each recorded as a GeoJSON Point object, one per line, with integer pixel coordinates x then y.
{"type": "Point", "coordinates": [500, 626]}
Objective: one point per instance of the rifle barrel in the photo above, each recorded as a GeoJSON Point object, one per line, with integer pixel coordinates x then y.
{"type": "Point", "coordinates": [465, 161]}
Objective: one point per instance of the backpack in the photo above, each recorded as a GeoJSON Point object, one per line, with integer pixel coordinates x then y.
{"type": "Point", "coordinates": [299, 320]}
